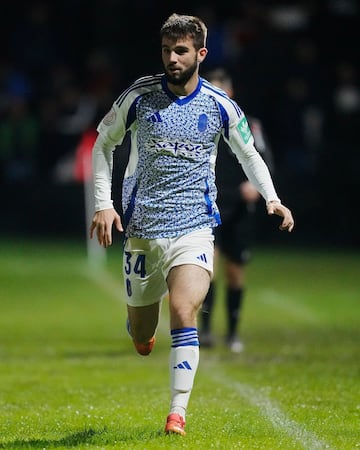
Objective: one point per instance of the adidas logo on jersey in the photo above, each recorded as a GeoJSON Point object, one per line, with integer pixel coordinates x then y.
{"type": "Point", "coordinates": [202, 257]}
{"type": "Point", "coordinates": [183, 365]}
{"type": "Point", "coordinates": [155, 118]}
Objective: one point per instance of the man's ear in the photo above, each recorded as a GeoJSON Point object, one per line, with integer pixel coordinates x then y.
{"type": "Point", "coordinates": [202, 54]}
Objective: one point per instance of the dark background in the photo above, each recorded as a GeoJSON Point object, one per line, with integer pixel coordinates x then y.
{"type": "Point", "coordinates": [295, 66]}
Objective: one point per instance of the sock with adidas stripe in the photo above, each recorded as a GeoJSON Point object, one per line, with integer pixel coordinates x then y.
{"type": "Point", "coordinates": [184, 360]}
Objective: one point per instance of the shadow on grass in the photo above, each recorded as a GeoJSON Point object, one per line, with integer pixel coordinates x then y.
{"type": "Point", "coordinates": [73, 440]}
{"type": "Point", "coordinates": [89, 436]}
{"type": "Point", "coordinates": [86, 354]}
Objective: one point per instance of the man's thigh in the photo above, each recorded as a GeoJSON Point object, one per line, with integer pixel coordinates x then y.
{"type": "Point", "coordinates": [195, 248]}
{"type": "Point", "coordinates": [147, 263]}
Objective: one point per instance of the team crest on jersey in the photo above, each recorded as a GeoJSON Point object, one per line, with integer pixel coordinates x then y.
{"type": "Point", "coordinates": [244, 130]}
{"type": "Point", "coordinates": [202, 122]}
{"type": "Point", "coordinates": [110, 117]}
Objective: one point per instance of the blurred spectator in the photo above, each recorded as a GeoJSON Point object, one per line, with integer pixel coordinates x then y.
{"type": "Point", "coordinates": [19, 140]}
{"type": "Point", "coordinates": [340, 158]}
{"type": "Point", "coordinates": [346, 95]}
{"type": "Point", "coordinates": [32, 39]}
{"type": "Point", "coordinates": [66, 115]}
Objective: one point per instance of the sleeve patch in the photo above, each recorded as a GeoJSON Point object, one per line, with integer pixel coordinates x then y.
{"type": "Point", "coordinates": [244, 130]}
{"type": "Point", "coordinates": [110, 117]}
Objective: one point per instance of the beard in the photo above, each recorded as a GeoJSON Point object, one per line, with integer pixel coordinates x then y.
{"type": "Point", "coordinates": [182, 78]}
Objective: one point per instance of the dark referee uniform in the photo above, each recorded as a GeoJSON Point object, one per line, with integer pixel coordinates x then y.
{"type": "Point", "coordinates": [236, 234]}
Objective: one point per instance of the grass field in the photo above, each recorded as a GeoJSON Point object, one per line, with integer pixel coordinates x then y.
{"type": "Point", "coordinates": [69, 377]}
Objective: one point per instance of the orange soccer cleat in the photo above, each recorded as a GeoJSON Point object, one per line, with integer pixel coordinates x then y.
{"type": "Point", "coordinates": [145, 349]}
{"type": "Point", "coordinates": [175, 424]}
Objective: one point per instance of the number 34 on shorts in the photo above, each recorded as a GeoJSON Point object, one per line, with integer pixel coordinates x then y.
{"type": "Point", "coordinates": [136, 266]}
{"type": "Point", "coordinates": [147, 263]}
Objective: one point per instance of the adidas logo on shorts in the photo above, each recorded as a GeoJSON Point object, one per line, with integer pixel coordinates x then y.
{"type": "Point", "coordinates": [202, 257]}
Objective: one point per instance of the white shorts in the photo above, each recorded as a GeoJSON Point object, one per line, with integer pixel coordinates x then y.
{"type": "Point", "coordinates": [147, 262]}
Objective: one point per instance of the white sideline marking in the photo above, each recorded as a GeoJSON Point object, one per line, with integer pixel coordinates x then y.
{"type": "Point", "coordinates": [108, 283]}
{"type": "Point", "coordinates": [309, 440]}
{"type": "Point", "coordinates": [272, 413]}
{"type": "Point", "coordinates": [287, 305]}
{"type": "Point", "coordinates": [112, 286]}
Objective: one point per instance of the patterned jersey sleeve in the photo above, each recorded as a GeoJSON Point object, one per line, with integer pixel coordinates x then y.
{"type": "Point", "coordinates": [112, 130]}
{"type": "Point", "coordinates": [238, 135]}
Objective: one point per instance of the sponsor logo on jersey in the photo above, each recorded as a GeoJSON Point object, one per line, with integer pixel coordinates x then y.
{"type": "Point", "coordinates": [182, 149]}
{"type": "Point", "coordinates": [244, 130]}
{"type": "Point", "coordinates": [110, 117]}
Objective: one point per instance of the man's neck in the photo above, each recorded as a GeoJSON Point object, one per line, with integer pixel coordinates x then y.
{"type": "Point", "coordinates": [186, 89]}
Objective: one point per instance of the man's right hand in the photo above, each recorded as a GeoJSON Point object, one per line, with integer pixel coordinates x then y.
{"type": "Point", "coordinates": [102, 223]}
{"type": "Point", "coordinates": [275, 207]}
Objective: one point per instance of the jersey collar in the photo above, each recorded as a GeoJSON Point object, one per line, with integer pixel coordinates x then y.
{"type": "Point", "coordinates": [176, 99]}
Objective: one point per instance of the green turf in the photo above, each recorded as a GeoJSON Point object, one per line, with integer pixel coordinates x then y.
{"type": "Point", "coordinates": [69, 377]}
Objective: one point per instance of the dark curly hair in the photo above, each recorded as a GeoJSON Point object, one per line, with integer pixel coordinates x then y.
{"type": "Point", "coordinates": [180, 26]}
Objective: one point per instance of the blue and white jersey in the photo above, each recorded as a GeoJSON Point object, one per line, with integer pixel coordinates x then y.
{"type": "Point", "coordinates": [169, 184]}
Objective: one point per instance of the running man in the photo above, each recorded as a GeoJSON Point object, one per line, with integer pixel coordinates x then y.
{"type": "Point", "coordinates": [175, 120]}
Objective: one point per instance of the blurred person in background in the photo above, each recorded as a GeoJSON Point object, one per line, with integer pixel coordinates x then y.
{"type": "Point", "coordinates": [19, 141]}
{"type": "Point", "coordinates": [169, 196]}
{"type": "Point", "coordinates": [237, 199]}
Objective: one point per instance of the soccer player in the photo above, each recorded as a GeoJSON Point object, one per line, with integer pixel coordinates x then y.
{"type": "Point", "coordinates": [237, 199]}
{"type": "Point", "coordinates": [175, 120]}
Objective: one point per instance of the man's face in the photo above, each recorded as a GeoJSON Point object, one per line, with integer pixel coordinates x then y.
{"type": "Point", "coordinates": [180, 60]}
